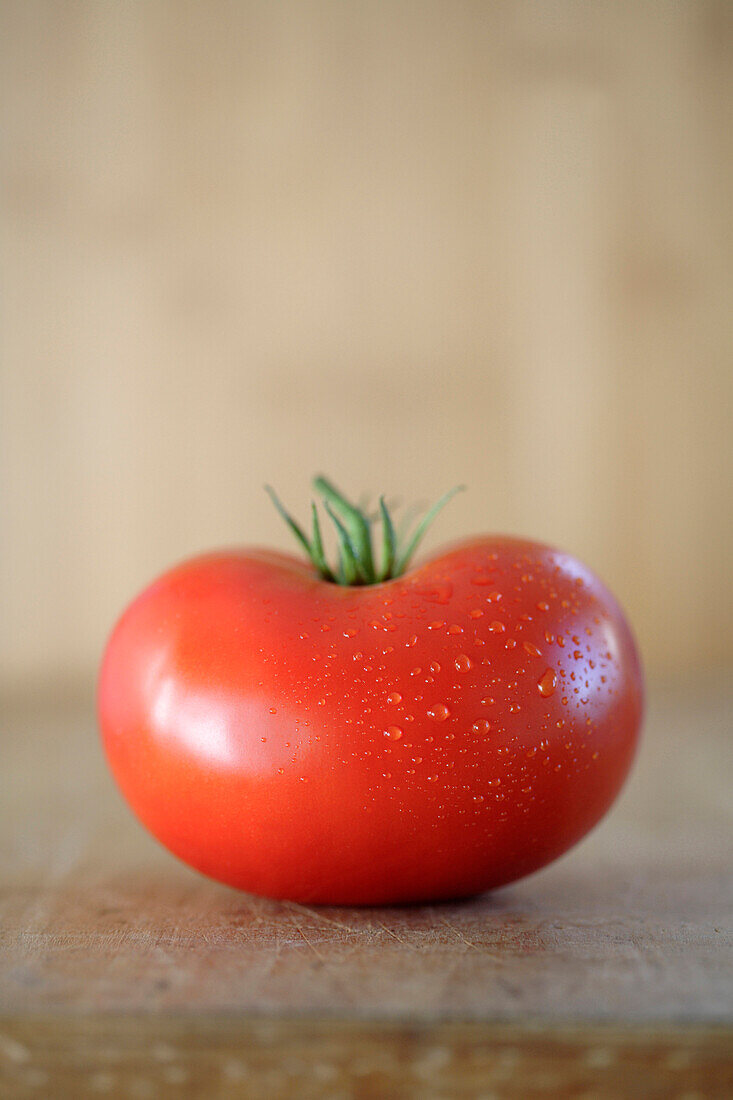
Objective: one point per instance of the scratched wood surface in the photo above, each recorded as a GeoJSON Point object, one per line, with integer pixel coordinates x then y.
{"type": "Point", "coordinates": [123, 972]}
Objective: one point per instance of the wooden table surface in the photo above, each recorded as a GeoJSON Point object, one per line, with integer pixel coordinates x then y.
{"type": "Point", "coordinates": [125, 974]}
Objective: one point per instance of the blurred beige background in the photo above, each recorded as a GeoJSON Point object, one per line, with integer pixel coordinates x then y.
{"type": "Point", "coordinates": [409, 244]}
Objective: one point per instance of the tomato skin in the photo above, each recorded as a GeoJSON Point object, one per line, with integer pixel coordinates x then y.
{"type": "Point", "coordinates": [430, 737]}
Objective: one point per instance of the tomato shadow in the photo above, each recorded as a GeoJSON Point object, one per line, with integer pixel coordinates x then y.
{"type": "Point", "coordinates": [174, 895]}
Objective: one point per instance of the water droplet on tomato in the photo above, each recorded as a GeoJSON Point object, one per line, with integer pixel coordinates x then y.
{"type": "Point", "coordinates": [435, 625]}
{"type": "Point", "coordinates": [482, 725]}
{"type": "Point", "coordinates": [532, 649]}
{"type": "Point", "coordinates": [463, 663]}
{"type": "Point", "coordinates": [394, 697]}
{"type": "Point", "coordinates": [497, 627]}
{"type": "Point", "coordinates": [393, 732]}
{"type": "Point", "coordinates": [439, 712]}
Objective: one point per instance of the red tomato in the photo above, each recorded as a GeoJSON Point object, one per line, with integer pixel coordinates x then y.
{"type": "Point", "coordinates": [428, 737]}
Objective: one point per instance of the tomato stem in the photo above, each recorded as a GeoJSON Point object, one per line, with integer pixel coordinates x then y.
{"type": "Point", "coordinates": [389, 542]}
{"type": "Point", "coordinates": [315, 551]}
{"type": "Point", "coordinates": [353, 529]}
{"type": "Point", "coordinates": [404, 558]}
{"type": "Point", "coordinates": [351, 523]}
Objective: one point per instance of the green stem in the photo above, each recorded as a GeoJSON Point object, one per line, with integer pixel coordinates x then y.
{"type": "Point", "coordinates": [354, 533]}
{"type": "Point", "coordinates": [422, 527]}
{"type": "Point", "coordinates": [354, 521]}
{"type": "Point", "coordinates": [389, 542]}
{"type": "Point", "coordinates": [351, 570]}
{"type": "Point", "coordinates": [317, 553]}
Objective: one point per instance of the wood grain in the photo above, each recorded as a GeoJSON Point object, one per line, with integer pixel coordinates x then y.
{"type": "Point", "coordinates": [609, 968]}
{"type": "Point", "coordinates": [225, 1057]}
